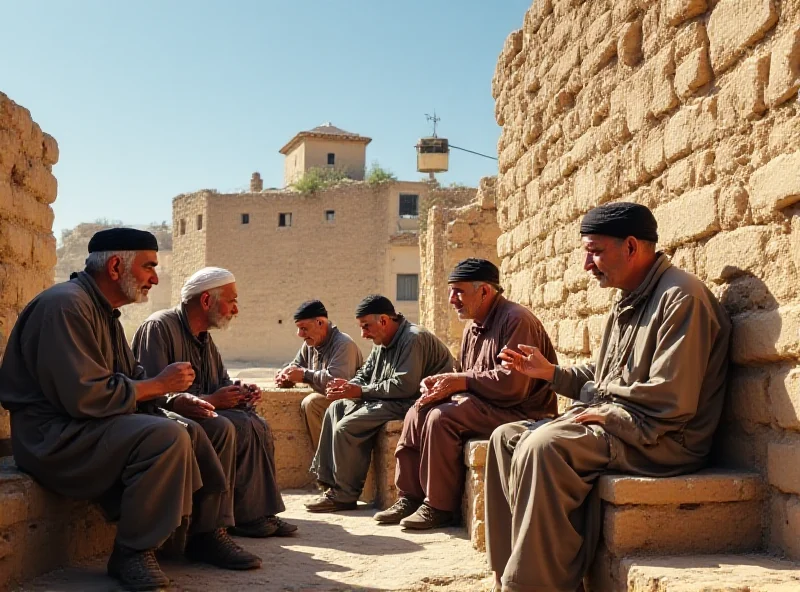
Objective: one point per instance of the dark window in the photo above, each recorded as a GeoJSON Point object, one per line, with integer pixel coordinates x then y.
{"type": "Point", "coordinates": [409, 205]}
{"type": "Point", "coordinates": [331, 158]}
{"type": "Point", "coordinates": [407, 286]}
{"type": "Point", "coordinates": [285, 219]}
{"type": "Point", "coordinates": [183, 226]}
{"type": "Point", "coordinates": [329, 215]}
{"type": "Point", "coordinates": [245, 218]}
{"type": "Point", "coordinates": [199, 221]}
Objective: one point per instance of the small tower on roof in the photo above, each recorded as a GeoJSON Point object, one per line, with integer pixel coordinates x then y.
{"type": "Point", "coordinates": [325, 147]}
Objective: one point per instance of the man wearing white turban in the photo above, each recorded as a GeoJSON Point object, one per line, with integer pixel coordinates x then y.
{"type": "Point", "coordinates": [209, 301]}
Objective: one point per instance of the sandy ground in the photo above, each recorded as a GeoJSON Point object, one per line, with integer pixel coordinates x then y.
{"type": "Point", "coordinates": [340, 552]}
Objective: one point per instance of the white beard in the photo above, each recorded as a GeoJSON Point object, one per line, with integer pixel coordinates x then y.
{"type": "Point", "coordinates": [217, 321]}
{"type": "Point", "coordinates": [131, 290]}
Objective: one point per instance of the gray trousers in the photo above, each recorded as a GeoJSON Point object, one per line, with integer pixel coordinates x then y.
{"type": "Point", "coordinates": [255, 490]}
{"type": "Point", "coordinates": [542, 525]}
{"type": "Point", "coordinates": [349, 429]}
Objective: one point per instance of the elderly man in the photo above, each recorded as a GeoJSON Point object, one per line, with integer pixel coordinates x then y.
{"type": "Point", "coordinates": [466, 404]}
{"type": "Point", "coordinates": [72, 386]}
{"type": "Point", "coordinates": [382, 390]}
{"type": "Point", "coordinates": [326, 353]}
{"type": "Point", "coordinates": [181, 334]}
{"type": "Point", "coordinates": [648, 406]}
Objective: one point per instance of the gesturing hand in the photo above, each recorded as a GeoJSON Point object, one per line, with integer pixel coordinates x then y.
{"type": "Point", "coordinates": [176, 377]}
{"type": "Point", "coordinates": [338, 388]}
{"type": "Point", "coordinates": [530, 362]}
{"type": "Point", "coordinates": [226, 397]}
{"type": "Point", "coordinates": [192, 407]}
{"type": "Point", "coordinates": [443, 387]}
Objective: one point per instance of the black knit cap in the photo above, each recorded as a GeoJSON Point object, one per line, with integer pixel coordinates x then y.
{"type": "Point", "coordinates": [310, 309]}
{"type": "Point", "coordinates": [123, 239]}
{"type": "Point", "coordinates": [375, 304]}
{"type": "Point", "coordinates": [621, 220]}
{"type": "Point", "coordinates": [476, 270]}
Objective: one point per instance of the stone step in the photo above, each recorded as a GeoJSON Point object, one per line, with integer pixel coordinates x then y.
{"type": "Point", "coordinates": [702, 573]}
{"type": "Point", "coordinates": [711, 511]}
{"type": "Point", "coordinates": [40, 531]}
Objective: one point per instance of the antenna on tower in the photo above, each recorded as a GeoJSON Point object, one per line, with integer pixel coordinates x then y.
{"type": "Point", "coordinates": [435, 120]}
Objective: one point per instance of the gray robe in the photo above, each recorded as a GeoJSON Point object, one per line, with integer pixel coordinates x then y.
{"type": "Point", "coordinates": [165, 338]}
{"type": "Point", "coordinates": [660, 377]}
{"type": "Point", "coordinates": [337, 357]}
{"type": "Point", "coordinates": [389, 382]}
{"type": "Point", "coordinates": [66, 378]}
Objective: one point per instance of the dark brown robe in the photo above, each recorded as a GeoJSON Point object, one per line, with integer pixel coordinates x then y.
{"type": "Point", "coordinates": [165, 338]}
{"type": "Point", "coordinates": [67, 379]}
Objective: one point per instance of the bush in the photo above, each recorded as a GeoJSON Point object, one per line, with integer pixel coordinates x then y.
{"type": "Point", "coordinates": [377, 175]}
{"type": "Point", "coordinates": [318, 179]}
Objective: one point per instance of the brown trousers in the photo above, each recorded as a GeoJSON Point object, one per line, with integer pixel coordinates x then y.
{"type": "Point", "coordinates": [430, 453]}
{"type": "Point", "coordinates": [542, 525]}
{"type": "Point", "coordinates": [313, 408]}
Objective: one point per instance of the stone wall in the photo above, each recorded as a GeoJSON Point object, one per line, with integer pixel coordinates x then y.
{"type": "Point", "coordinates": [27, 244]}
{"type": "Point", "coordinates": [453, 234]}
{"type": "Point", "coordinates": [689, 107]}
{"type": "Point", "coordinates": [360, 249]}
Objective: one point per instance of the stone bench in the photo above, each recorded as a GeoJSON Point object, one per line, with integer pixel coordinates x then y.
{"type": "Point", "coordinates": [711, 511]}
{"type": "Point", "coordinates": [41, 531]}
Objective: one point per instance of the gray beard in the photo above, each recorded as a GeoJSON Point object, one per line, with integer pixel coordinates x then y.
{"type": "Point", "coordinates": [217, 321]}
{"type": "Point", "coordinates": [131, 290]}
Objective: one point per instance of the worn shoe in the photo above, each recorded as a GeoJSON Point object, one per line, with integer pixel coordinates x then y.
{"type": "Point", "coordinates": [217, 548]}
{"type": "Point", "coordinates": [282, 528]}
{"type": "Point", "coordinates": [327, 503]}
{"type": "Point", "coordinates": [260, 528]}
{"type": "Point", "coordinates": [427, 517]}
{"type": "Point", "coordinates": [136, 570]}
{"type": "Point", "coordinates": [402, 508]}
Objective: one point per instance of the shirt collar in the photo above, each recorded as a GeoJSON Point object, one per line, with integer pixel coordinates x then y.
{"type": "Point", "coordinates": [478, 328]}
{"type": "Point", "coordinates": [643, 290]}
{"type": "Point", "coordinates": [86, 281]}
{"type": "Point", "coordinates": [200, 339]}
{"type": "Point", "coordinates": [401, 329]}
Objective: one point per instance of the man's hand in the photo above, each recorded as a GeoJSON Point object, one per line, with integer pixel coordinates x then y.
{"type": "Point", "coordinates": [252, 393]}
{"type": "Point", "coordinates": [598, 415]}
{"type": "Point", "coordinates": [289, 376]}
{"type": "Point", "coordinates": [338, 388]}
{"type": "Point", "coordinates": [530, 362]}
{"type": "Point", "coordinates": [444, 387]}
{"type": "Point", "coordinates": [226, 398]}
{"type": "Point", "coordinates": [176, 377]}
{"type": "Point", "coordinates": [427, 384]}
{"type": "Point", "coordinates": [192, 407]}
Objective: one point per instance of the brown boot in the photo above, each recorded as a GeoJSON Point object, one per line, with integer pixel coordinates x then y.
{"type": "Point", "coordinates": [218, 548]}
{"type": "Point", "coordinates": [136, 570]}
{"type": "Point", "coordinates": [327, 503]}
{"type": "Point", "coordinates": [427, 517]}
{"type": "Point", "coordinates": [402, 508]}
{"type": "Point", "coordinates": [282, 528]}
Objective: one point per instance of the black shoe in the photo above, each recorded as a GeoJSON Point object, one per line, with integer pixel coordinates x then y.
{"type": "Point", "coordinates": [218, 548]}
{"type": "Point", "coordinates": [136, 570]}
{"type": "Point", "coordinates": [403, 507]}
{"type": "Point", "coordinates": [260, 528]}
{"type": "Point", "coordinates": [282, 528]}
{"type": "Point", "coordinates": [427, 517]}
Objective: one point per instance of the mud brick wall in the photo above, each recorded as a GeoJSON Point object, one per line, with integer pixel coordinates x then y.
{"type": "Point", "coordinates": [27, 245]}
{"type": "Point", "coordinates": [691, 108]}
{"type": "Point", "coordinates": [450, 235]}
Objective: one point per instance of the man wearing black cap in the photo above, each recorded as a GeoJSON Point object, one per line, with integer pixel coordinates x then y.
{"type": "Point", "coordinates": [72, 386]}
{"type": "Point", "coordinates": [383, 389]}
{"type": "Point", "coordinates": [326, 353]}
{"type": "Point", "coordinates": [648, 406]}
{"type": "Point", "coordinates": [469, 403]}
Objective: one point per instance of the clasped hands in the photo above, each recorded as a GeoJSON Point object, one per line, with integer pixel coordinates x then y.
{"type": "Point", "coordinates": [339, 388]}
{"type": "Point", "coordinates": [289, 376]}
{"type": "Point", "coordinates": [226, 397]}
{"type": "Point", "coordinates": [439, 387]}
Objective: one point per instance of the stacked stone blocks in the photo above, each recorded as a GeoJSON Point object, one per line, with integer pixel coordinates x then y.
{"type": "Point", "coordinates": [688, 107]}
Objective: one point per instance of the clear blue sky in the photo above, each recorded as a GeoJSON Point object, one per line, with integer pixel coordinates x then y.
{"type": "Point", "coordinates": [150, 99]}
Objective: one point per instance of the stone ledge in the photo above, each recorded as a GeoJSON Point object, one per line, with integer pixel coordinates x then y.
{"type": "Point", "coordinates": [40, 531]}
{"type": "Point", "coordinates": [706, 486]}
{"type": "Point", "coordinates": [708, 573]}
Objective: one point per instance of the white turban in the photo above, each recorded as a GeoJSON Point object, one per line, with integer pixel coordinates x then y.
{"type": "Point", "coordinates": [204, 280]}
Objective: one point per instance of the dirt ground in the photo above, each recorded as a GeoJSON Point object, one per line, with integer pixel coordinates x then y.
{"type": "Point", "coordinates": [340, 552]}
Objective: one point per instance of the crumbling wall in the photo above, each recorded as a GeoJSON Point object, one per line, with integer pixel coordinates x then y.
{"type": "Point", "coordinates": [689, 107]}
{"type": "Point", "coordinates": [27, 244]}
{"type": "Point", "coordinates": [453, 234]}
